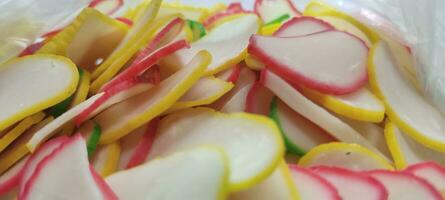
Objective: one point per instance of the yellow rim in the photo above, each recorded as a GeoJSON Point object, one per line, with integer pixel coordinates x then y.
{"type": "Point", "coordinates": [18, 130]}
{"type": "Point", "coordinates": [13, 156]}
{"type": "Point", "coordinates": [242, 56]}
{"type": "Point", "coordinates": [217, 8]}
{"type": "Point", "coordinates": [330, 147]}
{"type": "Point", "coordinates": [188, 33]}
{"type": "Point", "coordinates": [79, 97]}
{"type": "Point", "coordinates": [393, 116]}
{"type": "Point", "coordinates": [59, 43]}
{"type": "Point", "coordinates": [318, 9]}
{"type": "Point", "coordinates": [159, 107]}
{"type": "Point", "coordinates": [280, 151]}
{"type": "Point", "coordinates": [132, 13]}
{"type": "Point", "coordinates": [110, 166]}
{"type": "Point", "coordinates": [123, 52]}
{"type": "Point", "coordinates": [224, 188]}
{"type": "Point", "coordinates": [107, 70]}
{"type": "Point", "coordinates": [228, 64]}
{"type": "Point", "coordinates": [339, 107]}
{"type": "Point", "coordinates": [131, 39]}
{"type": "Point", "coordinates": [82, 90]}
{"type": "Point", "coordinates": [406, 68]}
{"type": "Point", "coordinates": [253, 63]}
{"type": "Point", "coordinates": [288, 178]}
{"type": "Point", "coordinates": [225, 87]}
{"type": "Point", "coordinates": [270, 29]}
{"type": "Point", "coordinates": [394, 146]}
{"type": "Point", "coordinates": [268, 170]}
{"type": "Point", "coordinates": [65, 93]}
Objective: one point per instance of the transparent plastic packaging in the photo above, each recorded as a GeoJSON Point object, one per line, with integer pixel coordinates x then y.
{"type": "Point", "coordinates": [419, 25]}
{"type": "Point", "coordinates": [23, 21]}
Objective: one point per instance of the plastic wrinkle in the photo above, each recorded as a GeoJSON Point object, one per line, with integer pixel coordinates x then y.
{"type": "Point", "coordinates": [418, 25]}
{"type": "Point", "coordinates": [27, 20]}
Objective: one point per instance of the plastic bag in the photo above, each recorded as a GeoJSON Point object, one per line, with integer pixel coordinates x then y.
{"type": "Point", "coordinates": [23, 21]}
{"type": "Point", "coordinates": [417, 24]}
{"type": "Point", "coordinates": [414, 23]}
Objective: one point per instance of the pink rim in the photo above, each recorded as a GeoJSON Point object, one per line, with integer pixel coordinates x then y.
{"type": "Point", "coordinates": [153, 75]}
{"type": "Point", "coordinates": [413, 168]}
{"type": "Point", "coordinates": [42, 163]}
{"type": "Point", "coordinates": [124, 20]}
{"type": "Point", "coordinates": [52, 33]}
{"type": "Point", "coordinates": [408, 48]}
{"type": "Point", "coordinates": [31, 49]}
{"type": "Point", "coordinates": [8, 185]}
{"type": "Point", "coordinates": [256, 100]}
{"type": "Point", "coordinates": [119, 4]}
{"type": "Point", "coordinates": [110, 92]}
{"type": "Point", "coordinates": [129, 78]}
{"type": "Point", "coordinates": [144, 146]}
{"type": "Point", "coordinates": [331, 189]}
{"type": "Point", "coordinates": [250, 99]}
{"type": "Point", "coordinates": [421, 181]}
{"type": "Point", "coordinates": [383, 193]}
{"type": "Point", "coordinates": [258, 3]}
{"type": "Point", "coordinates": [296, 20]}
{"type": "Point", "coordinates": [149, 56]}
{"type": "Point", "coordinates": [54, 143]}
{"type": "Point", "coordinates": [104, 187]}
{"type": "Point", "coordinates": [107, 192]}
{"type": "Point", "coordinates": [235, 74]}
{"type": "Point", "coordinates": [263, 76]}
{"type": "Point", "coordinates": [14, 180]}
{"type": "Point", "coordinates": [235, 7]}
{"type": "Point", "coordinates": [159, 37]}
{"type": "Point", "coordinates": [297, 78]}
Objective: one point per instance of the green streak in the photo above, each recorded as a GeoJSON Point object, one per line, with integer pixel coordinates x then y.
{"type": "Point", "coordinates": [278, 19]}
{"type": "Point", "coordinates": [197, 28]}
{"type": "Point", "coordinates": [94, 139]}
{"type": "Point", "coordinates": [290, 146]}
{"type": "Point", "coordinates": [60, 108]}
{"type": "Point", "coordinates": [63, 106]}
